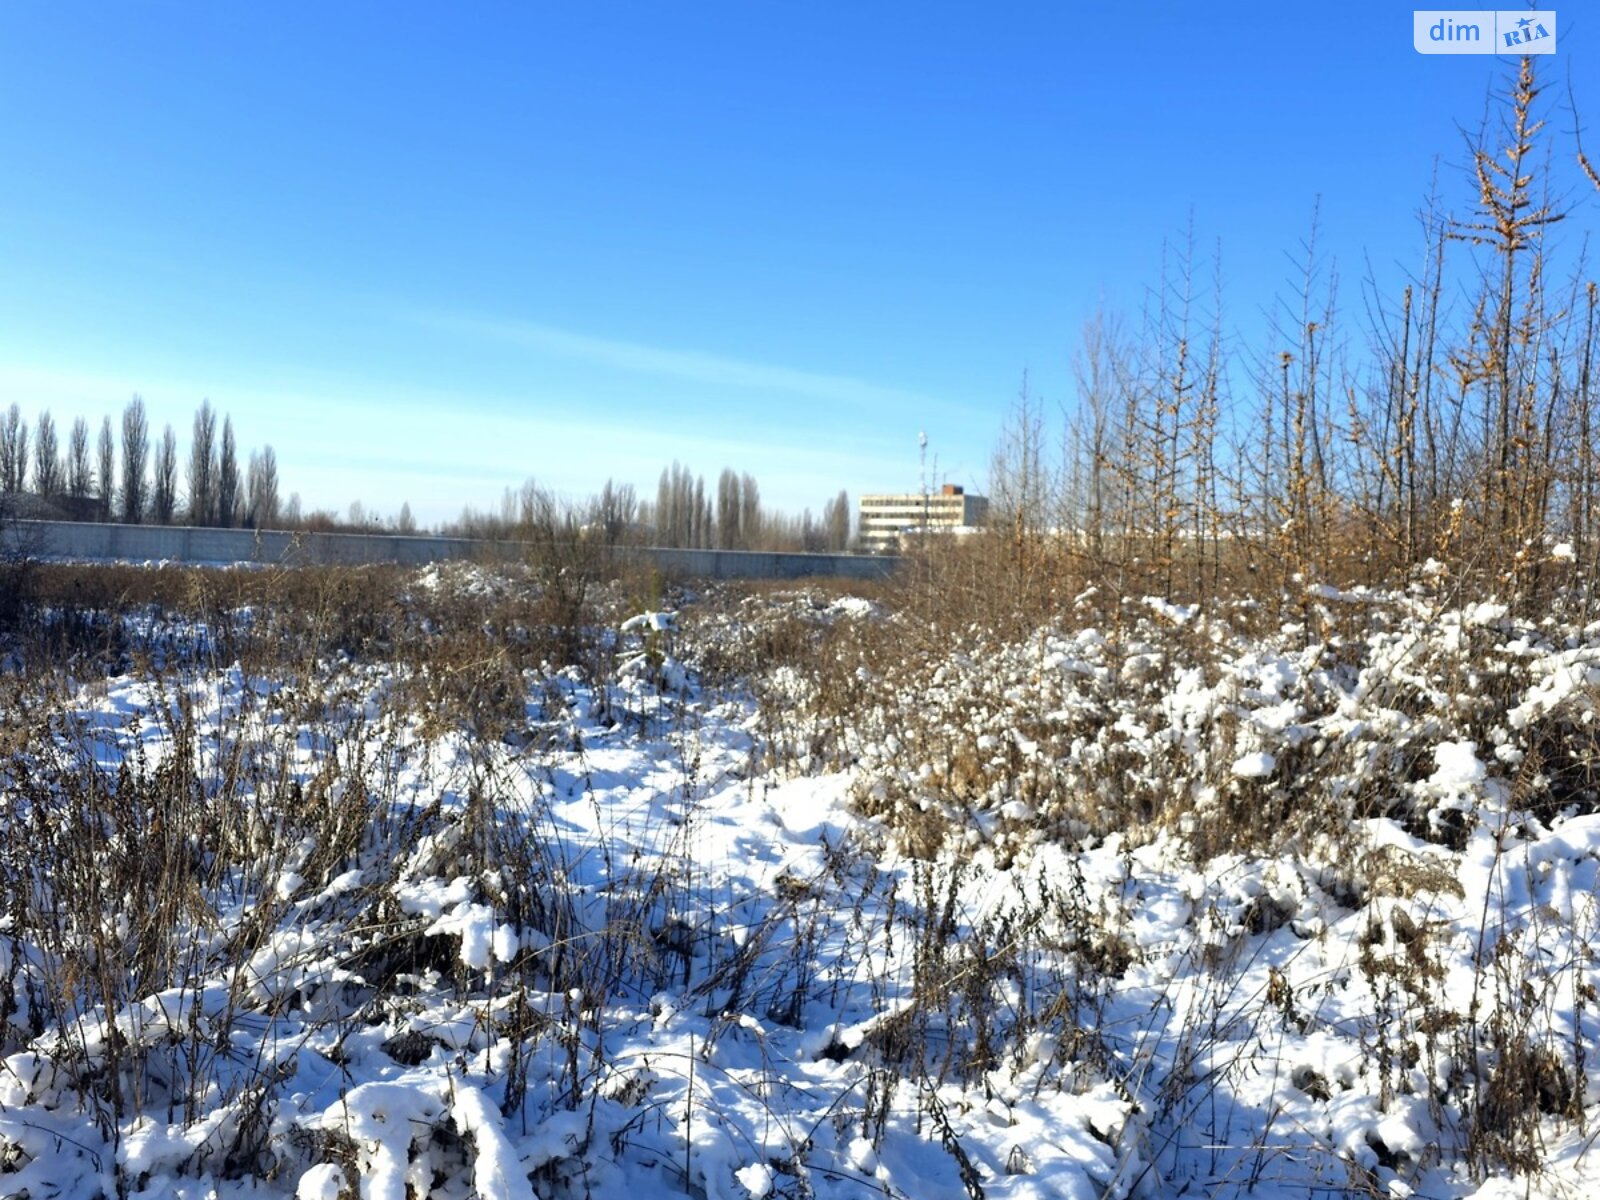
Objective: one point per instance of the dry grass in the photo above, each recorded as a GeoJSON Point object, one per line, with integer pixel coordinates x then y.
{"type": "Point", "coordinates": [969, 734]}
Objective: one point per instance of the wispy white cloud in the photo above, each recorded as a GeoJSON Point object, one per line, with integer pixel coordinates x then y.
{"type": "Point", "coordinates": [689, 365]}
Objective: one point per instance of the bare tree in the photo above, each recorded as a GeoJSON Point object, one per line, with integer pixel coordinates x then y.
{"type": "Point", "coordinates": [135, 460]}
{"type": "Point", "coordinates": [13, 451]}
{"type": "Point", "coordinates": [749, 512]}
{"type": "Point", "coordinates": [1092, 499]}
{"type": "Point", "coordinates": [261, 488]}
{"type": "Point", "coordinates": [700, 527]}
{"type": "Point", "coordinates": [686, 515]}
{"type": "Point", "coordinates": [164, 492]}
{"type": "Point", "coordinates": [681, 510]}
{"type": "Point", "coordinates": [106, 477]}
{"type": "Point", "coordinates": [227, 478]}
{"type": "Point", "coordinates": [203, 466]}
{"type": "Point", "coordinates": [836, 519]}
{"type": "Point", "coordinates": [1019, 482]}
{"type": "Point", "coordinates": [663, 510]}
{"type": "Point", "coordinates": [405, 523]}
{"type": "Point", "coordinates": [79, 477]}
{"type": "Point", "coordinates": [46, 457]}
{"type": "Point", "coordinates": [614, 511]}
{"type": "Point", "coordinates": [727, 510]}
{"type": "Point", "coordinates": [1507, 358]}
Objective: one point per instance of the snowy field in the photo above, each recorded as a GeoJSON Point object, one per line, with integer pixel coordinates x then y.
{"type": "Point", "coordinates": [787, 895]}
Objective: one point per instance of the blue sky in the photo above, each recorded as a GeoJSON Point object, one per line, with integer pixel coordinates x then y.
{"type": "Point", "coordinates": [429, 251]}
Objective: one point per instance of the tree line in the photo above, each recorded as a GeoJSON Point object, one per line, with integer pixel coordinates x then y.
{"type": "Point", "coordinates": [118, 473]}
{"type": "Point", "coordinates": [684, 515]}
{"type": "Point", "coordinates": [133, 479]}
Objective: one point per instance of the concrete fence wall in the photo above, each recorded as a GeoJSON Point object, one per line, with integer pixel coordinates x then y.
{"type": "Point", "coordinates": [192, 544]}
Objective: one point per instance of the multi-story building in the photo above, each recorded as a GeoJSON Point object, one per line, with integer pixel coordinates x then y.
{"type": "Point", "coordinates": [884, 520]}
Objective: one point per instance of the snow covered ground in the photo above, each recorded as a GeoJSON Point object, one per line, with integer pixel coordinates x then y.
{"type": "Point", "coordinates": [1065, 917]}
